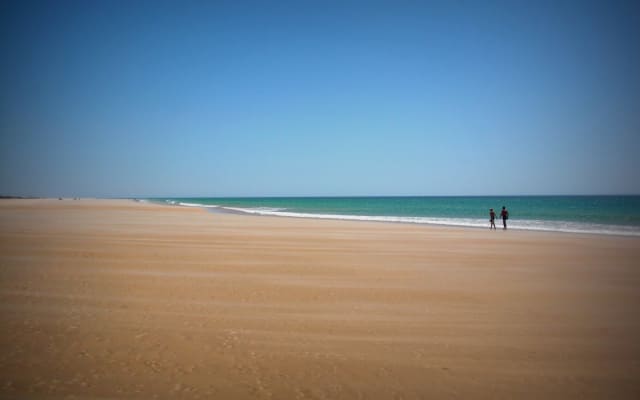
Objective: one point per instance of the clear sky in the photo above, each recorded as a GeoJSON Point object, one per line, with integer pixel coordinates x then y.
{"type": "Point", "coordinates": [319, 98]}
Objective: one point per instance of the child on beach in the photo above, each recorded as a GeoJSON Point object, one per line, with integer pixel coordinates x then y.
{"type": "Point", "coordinates": [492, 218]}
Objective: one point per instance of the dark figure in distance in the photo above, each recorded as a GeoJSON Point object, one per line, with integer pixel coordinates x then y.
{"type": "Point", "coordinates": [504, 214]}
{"type": "Point", "coordinates": [492, 218]}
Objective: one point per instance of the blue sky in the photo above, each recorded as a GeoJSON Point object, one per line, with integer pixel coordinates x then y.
{"type": "Point", "coordinates": [319, 98]}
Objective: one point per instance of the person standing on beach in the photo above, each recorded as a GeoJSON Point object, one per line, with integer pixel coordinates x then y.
{"type": "Point", "coordinates": [504, 214]}
{"type": "Point", "coordinates": [492, 218]}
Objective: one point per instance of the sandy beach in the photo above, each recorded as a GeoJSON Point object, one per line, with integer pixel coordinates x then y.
{"type": "Point", "coordinates": [119, 299]}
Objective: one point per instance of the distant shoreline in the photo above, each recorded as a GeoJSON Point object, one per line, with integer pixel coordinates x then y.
{"type": "Point", "coordinates": [399, 210]}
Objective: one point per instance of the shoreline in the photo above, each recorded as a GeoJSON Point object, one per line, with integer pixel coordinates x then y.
{"type": "Point", "coordinates": [380, 219]}
{"type": "Point", "coordinates": [225, 210]}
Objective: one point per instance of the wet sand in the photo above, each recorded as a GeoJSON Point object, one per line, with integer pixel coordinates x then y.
{"type": "Point", "coordinates": [118, 299]}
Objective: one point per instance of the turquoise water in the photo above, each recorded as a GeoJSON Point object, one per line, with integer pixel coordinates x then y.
{"type": "Point", "coordinates": [618, 215]}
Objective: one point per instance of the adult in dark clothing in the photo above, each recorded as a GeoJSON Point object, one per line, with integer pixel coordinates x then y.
{"type": "Point", "coordinates": [504, 214]}
{"type": "Point", "coordinates": [492, 218]}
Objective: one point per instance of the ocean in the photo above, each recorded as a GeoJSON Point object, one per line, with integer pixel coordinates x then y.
{"type": "Point", "coordinates": [610, 215]}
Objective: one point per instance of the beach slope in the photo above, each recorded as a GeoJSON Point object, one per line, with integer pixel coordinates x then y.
{"type": "Point", "coordinates": [118, 299]}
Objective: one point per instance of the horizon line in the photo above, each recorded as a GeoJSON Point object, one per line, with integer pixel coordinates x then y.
{"type": "Point", "coordinates": [372, 196]}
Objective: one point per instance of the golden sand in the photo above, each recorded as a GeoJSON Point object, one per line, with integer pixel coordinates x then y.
{"type": "Point", "coordinates": [117, 299]}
